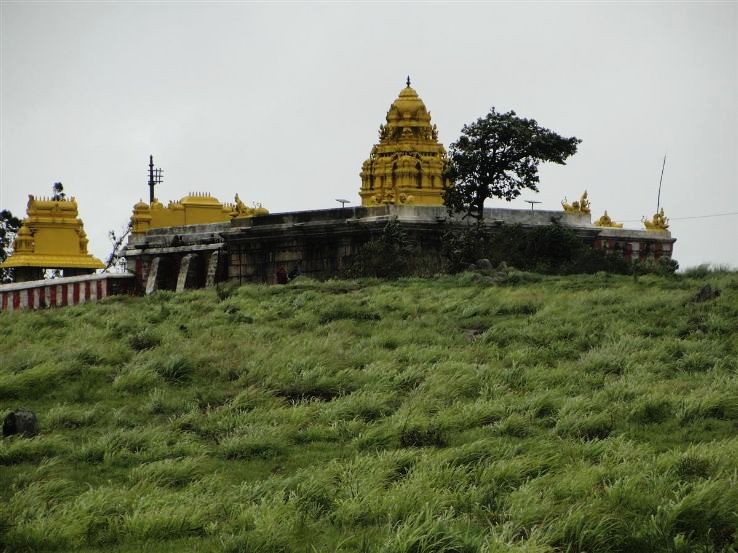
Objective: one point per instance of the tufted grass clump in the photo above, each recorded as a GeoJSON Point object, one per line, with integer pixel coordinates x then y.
{"type": "Point", "coordinates": [509, 411]}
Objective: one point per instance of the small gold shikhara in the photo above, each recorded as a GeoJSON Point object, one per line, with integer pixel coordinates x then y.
{"type": "Point", "coordinates": [606, 221]}
{"type": "Point", "coordinates": [658, 222]}
{"type": "Point", "coordinates": [52, 237]}
{"type": "Point", "coordinates": [407, 165]}
{"type": "Point", "coordinates": [195, 209]}
{"type": "Point", "coordinates": [581, 206]}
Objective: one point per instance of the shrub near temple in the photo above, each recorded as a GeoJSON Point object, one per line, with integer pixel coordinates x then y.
{"type": "Point", "coordinates": [550, 249]}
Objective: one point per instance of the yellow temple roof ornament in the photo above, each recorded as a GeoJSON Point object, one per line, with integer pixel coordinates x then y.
{"type": "Point", "coordinates": [658, 222]}
{"type": "Point", "coordinates": [51, 237]}
{"type": "Point", "coordinates": [582, 205]}
{"type": "Point", "coordinates": [606, 221]}
{"type": "Point", "coordinates": [406, 166]}
{"type": "Point", "coordinates": [197, 208]}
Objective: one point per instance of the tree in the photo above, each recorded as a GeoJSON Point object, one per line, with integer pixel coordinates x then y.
{"type": "Point", "coordinates": [387, 256]}
{"type": "Point", "coordinates": [116, 260]}
{"type": "Point", "coordinates": [497, 156]}
{"type": "Point", "coordinates": [9, 226]}
{"type": "Point", "coordinates": [57, 190]}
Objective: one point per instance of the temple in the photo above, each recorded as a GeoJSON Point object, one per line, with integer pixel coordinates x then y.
{"type": "Point", "coordinates": [199, 241]}
{"type": "Point", "coordinates": [407, 165]}
{"type": "Point", "coordinates": [51, 237]}
{"type": "Point", "coordinates": [402, 180]}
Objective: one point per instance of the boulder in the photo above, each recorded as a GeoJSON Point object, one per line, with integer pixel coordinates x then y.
{"type": "Point", "coordinates": [484, 265]}
{"type": "Point", "coordinates": [23, 423]}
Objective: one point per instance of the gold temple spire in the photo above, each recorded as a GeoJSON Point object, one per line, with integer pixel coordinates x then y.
{"type": "Point", "coordinates": [52, 237]}
{"type": "Point", "coordinates": [407, 165]}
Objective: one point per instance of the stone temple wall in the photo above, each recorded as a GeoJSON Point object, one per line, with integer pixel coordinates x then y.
{"type": "Point", "coordinates": [321, 243]}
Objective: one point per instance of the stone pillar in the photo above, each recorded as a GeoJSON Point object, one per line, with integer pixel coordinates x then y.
{"type": "Point", "coordinates": [151, 281]}
{"type": "Point", "coordinates": [213, 263]}
{"type": "Point", "coordinates": [185, 267]}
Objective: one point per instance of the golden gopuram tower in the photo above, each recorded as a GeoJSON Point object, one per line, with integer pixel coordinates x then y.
{"type": "Point", "coordinates": [51, 237]}
{"type": "Point", "coordinates": [407, 165]}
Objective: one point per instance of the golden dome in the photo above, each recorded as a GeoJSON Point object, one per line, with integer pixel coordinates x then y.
{"type": "Point", "coordinates": [199, 198]}
{"type": "Point", "coordinates": [408, 106]}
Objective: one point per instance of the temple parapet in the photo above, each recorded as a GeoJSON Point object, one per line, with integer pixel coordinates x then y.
{"type": "Point", "coordinates": [194, 209]}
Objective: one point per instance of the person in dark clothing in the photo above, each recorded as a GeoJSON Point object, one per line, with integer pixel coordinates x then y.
{"type": "Point", "coordinates": [281, 275]}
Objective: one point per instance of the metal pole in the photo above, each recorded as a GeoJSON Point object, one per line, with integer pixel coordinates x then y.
{"type": "Point", "coordinates": [658, 199]}
{"type": "Point", "coordinates": [151, 179]}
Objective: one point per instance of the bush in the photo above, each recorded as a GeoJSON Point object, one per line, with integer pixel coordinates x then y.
{"type": "Point", "coordinates": [663, 266]}
{"type": "Point", "coordinates": [389, 256]}
{"type": "Point", "coordinates": [549, 249]}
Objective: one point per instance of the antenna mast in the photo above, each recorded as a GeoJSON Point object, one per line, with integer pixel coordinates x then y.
{"type": "Point", "coordinates": [154, 178]}
{"type": "Point", "coordinates": [658, 198]}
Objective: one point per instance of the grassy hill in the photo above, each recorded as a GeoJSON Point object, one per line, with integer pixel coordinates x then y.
{"type": "Point", "coordinates": [505, 413]}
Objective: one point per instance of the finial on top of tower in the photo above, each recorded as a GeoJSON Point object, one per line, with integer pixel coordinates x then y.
{"type": "Point", "coordinates": [408, 81]}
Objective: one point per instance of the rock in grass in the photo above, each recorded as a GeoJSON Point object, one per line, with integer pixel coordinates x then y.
{"type": "Point", "coordinates": [706, 293]}
{"type": "Point", "coordinates": [23, 423]}
{"type": "Point", "coordinates": [484, 265]}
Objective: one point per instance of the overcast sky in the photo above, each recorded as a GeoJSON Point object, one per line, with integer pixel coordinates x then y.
{"type": "Point", "coordinates": [281, 102]}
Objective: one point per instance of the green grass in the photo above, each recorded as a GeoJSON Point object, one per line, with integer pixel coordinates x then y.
{"type": "Point", "coordinates": [514, 412]}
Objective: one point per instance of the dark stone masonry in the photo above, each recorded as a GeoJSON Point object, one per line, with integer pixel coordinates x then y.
{"type": "Point", "coordinates": [321, 243]}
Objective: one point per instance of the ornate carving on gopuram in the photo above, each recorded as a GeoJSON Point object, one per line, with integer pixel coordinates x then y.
{"type": "Point", "coordinates": [407, 165]}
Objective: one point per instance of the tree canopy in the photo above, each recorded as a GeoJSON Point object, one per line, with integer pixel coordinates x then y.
{"type": "Point", "coordinates": [57, 190]}
{"type": "Point", "coordinates": [9, 226]}
{"type": "Point", "coordinates": [497, 156]}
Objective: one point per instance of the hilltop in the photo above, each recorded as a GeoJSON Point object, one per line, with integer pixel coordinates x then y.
{"type": "Point", "coordinates": [512, 412]}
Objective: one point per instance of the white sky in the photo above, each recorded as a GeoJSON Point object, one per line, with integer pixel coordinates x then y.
{"type": "Point", "coordinates": [281, 102]}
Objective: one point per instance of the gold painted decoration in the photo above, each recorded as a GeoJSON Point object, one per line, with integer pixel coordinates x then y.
{"type": "Point", "coordinates": [194, 209]}
{"type": "Point", "coordinates": [51, 237]}
{"type": "Point", "coordinates": [407, 165]}
{"type": "Point", "coordinates": [658, 222]}
{"type": "Point", "coordinates": [582, 205]}
{"type": "Point", "coordinates": [606, 221]}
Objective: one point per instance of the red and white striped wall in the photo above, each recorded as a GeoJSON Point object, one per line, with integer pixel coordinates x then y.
{"type": "Point", "coordinates": [58, 292]}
